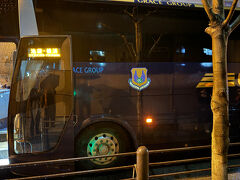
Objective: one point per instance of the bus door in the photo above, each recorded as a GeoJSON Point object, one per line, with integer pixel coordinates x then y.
{"type": "Point", "coordinates": [41, 101]}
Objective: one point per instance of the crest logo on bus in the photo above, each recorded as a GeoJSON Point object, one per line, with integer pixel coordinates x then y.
{"type": "Point", "coordinates": [139, 79]}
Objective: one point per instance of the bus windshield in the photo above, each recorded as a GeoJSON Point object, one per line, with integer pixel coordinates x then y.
{"type": "Point", "coordinates": [41, 93]}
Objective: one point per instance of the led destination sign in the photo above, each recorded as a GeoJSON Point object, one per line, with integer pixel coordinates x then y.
{"type": "Point", "coordinates": [44, 52]}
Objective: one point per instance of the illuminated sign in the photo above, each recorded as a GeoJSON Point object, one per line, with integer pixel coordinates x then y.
{"type": "Point", "coordinates": [139, 79]}
{"type": "Point", "coordinates": [87, 70]}
{"type": "Point", "coordinates": [44, 52]}
{"type": "Point", "coordinates": [166, 3]}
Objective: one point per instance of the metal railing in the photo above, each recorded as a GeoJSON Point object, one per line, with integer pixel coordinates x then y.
{"type": "Point", "coordinates": [141, 167]}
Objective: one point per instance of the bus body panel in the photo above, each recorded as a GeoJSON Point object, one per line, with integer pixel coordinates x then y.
{"type": "Point", "coordinates": [172, 99]}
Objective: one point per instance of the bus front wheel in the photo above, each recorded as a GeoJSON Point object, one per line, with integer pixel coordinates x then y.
{"type": "Point", "coordinates": [104, 138]}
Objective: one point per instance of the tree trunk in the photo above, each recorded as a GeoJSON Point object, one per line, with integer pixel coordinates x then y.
{"type": "Point", "coordinates": [219, 103]}
{"type": "Point", "coordinates": [220, 29]}
{"type": "Point", "coordinates": [138, 36]}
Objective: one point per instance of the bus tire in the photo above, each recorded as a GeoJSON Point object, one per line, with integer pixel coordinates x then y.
{"type": "Point", "coordinates": [103, 138]}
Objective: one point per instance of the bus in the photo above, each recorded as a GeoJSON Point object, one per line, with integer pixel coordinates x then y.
{"type": "Point", "coordinates": [136, 74]}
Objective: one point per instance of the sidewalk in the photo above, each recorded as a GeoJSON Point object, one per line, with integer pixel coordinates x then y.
{"type": "Point", "coordinates": [233, 174]}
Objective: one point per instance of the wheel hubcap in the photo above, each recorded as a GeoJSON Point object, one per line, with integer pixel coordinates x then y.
{"type": "Point", "coordinates": [103, 144]}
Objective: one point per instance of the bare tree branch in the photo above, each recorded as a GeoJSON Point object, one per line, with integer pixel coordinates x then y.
{"type": "Point", "coordinates": [150, 13]}
{"type": "Point", "coordinates": [126, 43]}
{"type": "Point", "coordinates": [208, 10]}
{"type": "Point", "coordinates": [230, 14]}
{"type": "Point", "coordinates": [235, 23]}
{"type": "Point", "coordinates": [135, 18]}
{"type": "Point", "coordinates": [154, 45]}
{"type": "Point", "coordinates": [129, 47]}
{"type": "Point", "coordinates": [131, 15]}
{"type": "Point", "coordinates": [133, 50]}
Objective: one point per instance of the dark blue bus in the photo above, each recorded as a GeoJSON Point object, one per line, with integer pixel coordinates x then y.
{"type": "Point", "coordinates": [160, 99]}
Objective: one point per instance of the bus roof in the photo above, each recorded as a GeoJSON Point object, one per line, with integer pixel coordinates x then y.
{"type": "Point", "coordinates": [171, 3]}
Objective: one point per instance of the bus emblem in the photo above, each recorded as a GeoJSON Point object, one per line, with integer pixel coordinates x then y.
{"type": "Point", "coordinates": [139, 78]}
